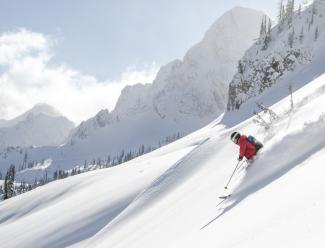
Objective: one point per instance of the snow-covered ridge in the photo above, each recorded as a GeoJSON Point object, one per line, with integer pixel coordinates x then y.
{"type": "Point", "coordinates": [187, 94]}
{"type": "Point", "coordinates": [40, 108]}
{"type": "Point", "coordinates": [292, 44]}
{"type": "Point", "coordinates": [197, 86]}
{"type": "Point", "coordinates": [40, 126]}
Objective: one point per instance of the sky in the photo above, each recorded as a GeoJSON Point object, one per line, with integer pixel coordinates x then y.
{"type": "Point", "coordinates": [77, 55]}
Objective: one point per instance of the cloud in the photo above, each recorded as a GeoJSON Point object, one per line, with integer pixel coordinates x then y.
{"type": "Point", "coordinates": [28, 77]}
{"type": "Point", "coordinates": [14, 46]}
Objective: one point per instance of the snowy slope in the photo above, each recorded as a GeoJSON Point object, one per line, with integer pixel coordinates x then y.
{"type": "Point", "coordinates": [168, 198]}
{"type": "Point", "coordinates": [40, 126]}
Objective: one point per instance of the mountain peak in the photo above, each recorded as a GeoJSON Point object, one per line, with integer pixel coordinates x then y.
{"type": "Point", "coordinates": [40, 108]}
{"type": "Point", "coordinates": [239, 12]}
{"type": "Point", "coordinates": [240, 8]}
{"type": "Point", "coordinates": [44, 108]}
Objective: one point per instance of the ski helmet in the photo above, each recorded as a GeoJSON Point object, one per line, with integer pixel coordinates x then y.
{"type": "Point", "coordinates": [234, 136]}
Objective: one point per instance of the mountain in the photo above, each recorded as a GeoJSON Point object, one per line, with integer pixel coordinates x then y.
{"type": "Point", "coordinates": [170, 197]}
{"type": "Point", "coordinates": [40, 126]}
{"type": "Point", "coordinates": [40, 108]}
{"type": "Point", "coordinates": [279, 58]}
{"type": "Point", "coordinates": [185, 95]}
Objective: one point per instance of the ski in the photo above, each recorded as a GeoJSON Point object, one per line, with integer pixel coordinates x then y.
{"type": "Point", "coordinates": [224, 197]}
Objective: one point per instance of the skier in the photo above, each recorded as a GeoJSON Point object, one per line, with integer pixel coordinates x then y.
{"type": "Point", "coordinates": [249, 146]}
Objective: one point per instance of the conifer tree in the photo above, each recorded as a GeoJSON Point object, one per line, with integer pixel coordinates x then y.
{"type": "Point", "coordinates": [1, 190]}
{"type": "Point", "coordinates": [314, 10]}
{"type": "Point", "coordinates": [269, 28]}
{"type": "Point", "coordinates": [25, 160]}
{"type": "Point", "coordinates": [284, 14]}
{"type": "Point", "coordinates": [312, 18]}
{"type": "Point", "coordinates": [316, 33]}
{"type": "Point", "coordinates": [280, 14]}
{"type": "Point", "coordinates": [301, 35]}
{"type": "Point", "coordinates": [290, 11]}
{"type": "Point", "coordinates": [291, 38]}
{"type": "Point", "coordinates": [240, 67]}
{"type": "Point", "coordinates": [263, 27]}
{"type": "Point", "coordinates": [299, 10]}
{"type": "Point", "coordinates": [267, 36]}
{"type": "Point", "coordinates": [9, 187]}
{"type": "Point", "coordinates": [291, 98]}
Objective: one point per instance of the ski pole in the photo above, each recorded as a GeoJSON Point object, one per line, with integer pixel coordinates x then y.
{"type": "Point", "coordinates": [226, 187]}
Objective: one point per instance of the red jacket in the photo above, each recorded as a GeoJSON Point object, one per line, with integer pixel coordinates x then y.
{"type": "Point", "coordinates": [246, 149]}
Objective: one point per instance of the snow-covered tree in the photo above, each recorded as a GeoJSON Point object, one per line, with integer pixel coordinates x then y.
{"type": "Point", "coordinates": [280, 14]}
{"type": "Point", "coordinates": [316, 33]}
{"type": "Point", "coordinates": [25, 160]}
{"type": "Point", "coordinates": [301, 35]}
{"type": "Point", "coordinates": [291, 38]}
{"type": "Point", "coordinates": [314, 9]}
{"type": "Point", "coordinates": [291, 98]}
{"type": "Point", "coordinates": [272, 115]}
{"type": "Point", "coordinates": [269, 27]}
{"type": "Point", "coordinates": [9, 188]}
{"type": "Point", "coordinates": [108, 161]}
{"type": "Point", "coordinates": [259, 120]}
{"type": "Point", "coordinates": [266, 30]}
{"type": "Point", "coordinates": [240, 67]}
{"type": "Point", "coordinates": [290, 11]}
{"type": "Point", "coordinates": [263, 27]}
{"type": "Point", "coordinates": [299, 10]}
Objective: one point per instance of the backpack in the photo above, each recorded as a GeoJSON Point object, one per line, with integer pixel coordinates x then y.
{"type": "Point", "coordinates": [251, 139]}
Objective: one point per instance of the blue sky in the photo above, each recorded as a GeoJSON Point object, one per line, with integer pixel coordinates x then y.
{"type": "Point", "coordinates": [104, 37]}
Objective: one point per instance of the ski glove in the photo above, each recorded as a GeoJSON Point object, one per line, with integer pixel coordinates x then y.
{"type": "Point", "coordinates": [240, 158]}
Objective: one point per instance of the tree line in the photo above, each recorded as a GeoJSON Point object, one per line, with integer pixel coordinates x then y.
{"type": "Point", "coordinates": [10, 188]}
